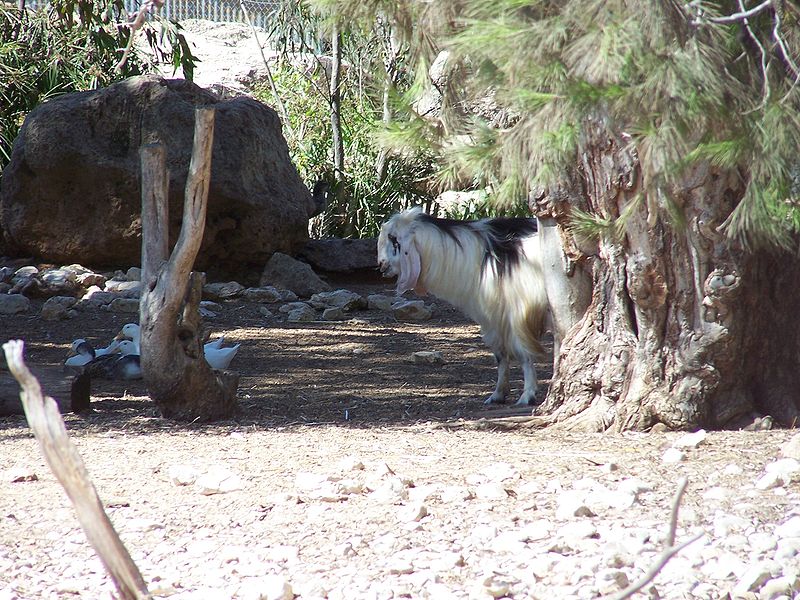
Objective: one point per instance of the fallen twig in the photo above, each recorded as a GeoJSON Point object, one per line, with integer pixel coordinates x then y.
{"type": "Point", "coordinates": [61, 454]}
{"type": "Point", "coordinates": [670, 549]}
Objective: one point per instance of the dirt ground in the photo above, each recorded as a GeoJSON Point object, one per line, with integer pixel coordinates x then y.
{"type": "Point", "coordinates": [333, 402]}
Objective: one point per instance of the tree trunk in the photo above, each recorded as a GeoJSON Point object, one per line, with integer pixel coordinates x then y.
{"type": "Point", "coordinates": [178, 378]}
{"type": "Point", "coordinates": [681, 328]}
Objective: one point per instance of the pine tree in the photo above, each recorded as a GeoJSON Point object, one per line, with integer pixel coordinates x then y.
{"type": "Point", "coordinates": [658, 142]}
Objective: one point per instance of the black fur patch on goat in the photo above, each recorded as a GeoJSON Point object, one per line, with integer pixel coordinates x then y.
{"type": "Point", "coordinates": [504, 243]}
{"type": "Point", "coordinates": [447, 226]}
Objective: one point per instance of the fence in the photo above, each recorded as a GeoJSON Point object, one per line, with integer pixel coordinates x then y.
{"type": "Point", "coordinates": [261, 12]}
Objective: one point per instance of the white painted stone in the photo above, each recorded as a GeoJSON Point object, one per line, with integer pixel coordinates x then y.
{"type": "Point", "coordinates": [412, 512]}
{"type": "Point", "coordinates": [753, 578]}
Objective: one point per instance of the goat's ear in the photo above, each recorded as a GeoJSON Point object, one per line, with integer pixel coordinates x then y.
{"type": "Point", "coordinates": [409, 265]}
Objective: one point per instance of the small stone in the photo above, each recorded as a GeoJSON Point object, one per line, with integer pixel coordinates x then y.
{"type": "Point", "coordinates": [789, 529]}
{"type": "Point", "coordinates": [413, 512]}
{"type": "Point", "coordinates": [787, 548]}
{"type": "Point", "coordinates": [333, 314]}
{"type": "Point", "coordinates": [267, 587]}
{"type": "Point", "coordinates": [576, 531]}
{"type": "Point", "coordinates": [572, 504]}
{"type": "Point", "coordinates": [752, 579]}
{"type": "Point", "coordinates": [219, 480]}
{"type": "Point", "coordinates": [411, 310]}
{"type": "Point", "coordinates": [57, 308]}
{"type": "Point", "coordinates": [267, 294]}
{"type": "Point", "coordinates": [428, 357]}
{"type": "Point", "coordinates": [788, 468]}
{"type": "Point", "coordinates": [126, 289]}
{"type": "Point", "coordinates": [183, 474]}
{"type": "Point", "coordinates": [88, 280]}
{"type": "Point", "coordinates": [124, 305]}
{"type": "Point", "coordinates": [780, 586]}
{"type": "Point", "coordinates": [290, 306]}
{"type": "Point", "coordinates": [690, 440]}
{"type": "Point", "coordinates": [491, 490]}
{"type": "Point", "coordinates": [133, 274]}
{"type": "Point", "coordinates": [12, 304]}
{"type": "Point", "coordinates": [301, 314]}
{"type": "Point", "coordinates": [380, 302]}
{"type": "Point", "coordinates": [770, 481]}
{"type": "Point", "coordinates": [265, 312]}
{"type": "Point", "coordinates": [344, 299]}
{"type": "Point", "coordinates": [672, 456]}
{"type": "Point", "coordinates": [495, 586]}
{"type": "Point", "coordinates": [19, 475]}
{"type": "Point", "coordinates": [222, 291]}
{"type": "Point", "coordinates": [791, 449]}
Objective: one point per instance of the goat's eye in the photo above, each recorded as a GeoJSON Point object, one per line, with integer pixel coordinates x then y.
{"type": "Point", "coordinates": [395, 243]}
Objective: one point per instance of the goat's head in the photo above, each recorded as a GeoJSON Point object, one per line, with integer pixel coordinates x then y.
{"type": "Point", "coordinates": [398, 254]}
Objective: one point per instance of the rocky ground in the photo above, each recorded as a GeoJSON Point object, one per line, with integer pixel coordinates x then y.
{"type": "Point", "coordinates": [357, 470]}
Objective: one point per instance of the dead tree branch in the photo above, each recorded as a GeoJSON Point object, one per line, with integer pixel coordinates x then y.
{"type": "Point", "coordinates": [670, 549]}
{"type": "Point", "coordinates": [61, 454]}
{"type": "Point", "coordinates": [138, 20]}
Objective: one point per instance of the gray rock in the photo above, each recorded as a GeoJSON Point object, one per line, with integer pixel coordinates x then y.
{"type": "Point", "coordinates": [12, 304]}
{"type": "Point", "coordinates": [124, 305]}
{"type": "Point", "coordinates": [125, 289]}
{"type": "Point", "coordinates": [333, 314]}
{"type": "Point", "coordinates": [134, 274]}
{"type": "Point", "coordinates": [340, 255]}
{"type": "Point", "coordinates": [265, 312]}
{"type": "Point", "coordinates": [287, 308]}
{"type": "Point", "coordinates": [343, 299]}
{"type": "Point", "coordinates": [411, 310]}
{"type": "Point", "coordinates": [95, 297]}
{"type": "Point", "coordinates": [57, 308]}
{"type": "Point", "coordinates": [82, 150]}
{"type": "Point", "coordinates": [6, 273]}
{"type": "Point", "coordinates": [283, 271]}
{"type": "Point", "coordinates": [301, 314]}
{"type": "Point", "coordinates": [263, 294]}
{"type": "Point", "coordinates": [88, 280]}
{"type": "Point", "coordinates": [24, 273]}
{"type": "Point", "coordinates": [222, 291]}
{"type": "Point", "coordinates": [381, 302]}
{"type": "Point", "coordinates": [428, 357]}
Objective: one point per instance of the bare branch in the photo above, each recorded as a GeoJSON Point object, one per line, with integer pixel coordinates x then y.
{"type": "Point", "coordinates": [139, 19]}
{"type": "Point", "coordinates": [61, 454]}
{"type": "Point", "coordinates": [670, 549]}
{"type": "Point", "coordinates": [741, 16]}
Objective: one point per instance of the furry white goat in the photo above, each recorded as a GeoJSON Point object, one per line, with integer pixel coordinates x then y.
{"type": "Point", "coordinates": [490, 269]}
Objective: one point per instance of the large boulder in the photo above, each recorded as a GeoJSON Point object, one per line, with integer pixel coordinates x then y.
{"type": "Point", "coordinates": [71, 192]}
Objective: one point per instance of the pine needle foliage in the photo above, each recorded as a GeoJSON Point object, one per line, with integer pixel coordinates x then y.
{"type": "Point", "coordinates": [685, 82]}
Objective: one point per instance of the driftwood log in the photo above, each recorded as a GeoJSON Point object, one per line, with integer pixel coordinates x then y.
{"type": "Point", "coordinates": [61, 454]}
{"type": "Point", "coordinates": [178, 378]}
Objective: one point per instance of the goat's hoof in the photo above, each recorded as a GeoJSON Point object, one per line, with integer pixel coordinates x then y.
{"type": "Point", "coordinates": [494, 399]}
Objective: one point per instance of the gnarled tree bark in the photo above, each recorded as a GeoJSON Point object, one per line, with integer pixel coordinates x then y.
{"type": "Point", "coordinates": [178, 378]}
{"type": "Point", "coordinates": [686, 327]}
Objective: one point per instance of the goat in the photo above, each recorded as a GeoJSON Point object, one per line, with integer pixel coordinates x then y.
{"type": "Point", "coordinates": [490, 269]}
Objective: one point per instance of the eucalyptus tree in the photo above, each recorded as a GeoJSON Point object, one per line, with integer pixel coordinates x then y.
{"type": "Point", "coordinates": [658, 142]}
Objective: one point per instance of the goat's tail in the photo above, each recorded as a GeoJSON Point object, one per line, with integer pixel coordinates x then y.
{"type": "Point", "coordinates": [533, 328]}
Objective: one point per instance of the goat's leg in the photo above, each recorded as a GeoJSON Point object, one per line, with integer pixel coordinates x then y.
{"type": "Point", "coordinates": [503, 386]}
{"type": "Point", "coordinates": [531, 384]}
